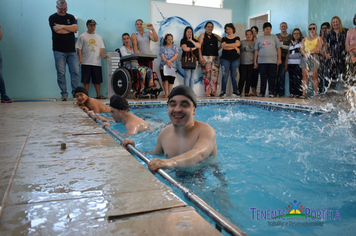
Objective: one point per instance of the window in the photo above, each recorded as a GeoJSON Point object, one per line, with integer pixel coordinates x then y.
{"type": "Point", "coordinates": [203, 3]}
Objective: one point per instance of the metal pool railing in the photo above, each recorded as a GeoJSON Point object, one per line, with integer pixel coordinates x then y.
{"type": "Point", "coordinates": [221, 221]}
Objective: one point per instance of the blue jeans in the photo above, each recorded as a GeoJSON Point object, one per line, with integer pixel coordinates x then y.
{"type": "Point", "coordinates": [188, 78]}
{"type": "Point", "coordinates": [61, 59]}
{"type": "Point", "coordinates": [2, 82]}
{"type": "Point", "coordinates": [281, 77]}
{"type": "Point", "coordinates": [226, 67]}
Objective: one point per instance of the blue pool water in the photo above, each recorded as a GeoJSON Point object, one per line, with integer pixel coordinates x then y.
{"type": "Point", "coordinates": [268, 160]}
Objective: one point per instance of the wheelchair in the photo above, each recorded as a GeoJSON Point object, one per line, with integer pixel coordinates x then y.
{"type": "Point", "coordinates": [124, 80]}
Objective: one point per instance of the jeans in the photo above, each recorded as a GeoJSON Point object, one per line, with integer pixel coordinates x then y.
{"type": "Point", "coordinates": [226, 67]}
{"type": "Point", "coordinates": [281, 77]}
{"type": "Point", "coordinates": [61, 59]}
{"type": "Point", "coordinates": [188, 78]}
{"type": "Point", "coordinates": [2, 82]}
{"type": "Point", "coordinates": [268, 73]}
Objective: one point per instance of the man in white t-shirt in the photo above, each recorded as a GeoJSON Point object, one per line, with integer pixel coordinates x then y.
{"type": "Point", "coordinates": [89, 48]}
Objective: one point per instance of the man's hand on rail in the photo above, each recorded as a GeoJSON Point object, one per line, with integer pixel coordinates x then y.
{"type": "Point", "coordinates": [127, 142]}
{"type": "Point", "coordinates": [157, 163]}
{"type": "Point", "coordinates": [106, 124]}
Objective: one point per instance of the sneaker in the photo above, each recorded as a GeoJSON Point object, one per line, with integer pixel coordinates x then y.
{"type": "Point", "coordinates": [222, 94]}
{"type": "Point", "coordinates": [144, 94]}
{"type": "Point", "coordinates": [64, 98]}
{"type": "Point", "coordinates": [5, 99]}
{"type": "Point", "coordinates": [236, 94]}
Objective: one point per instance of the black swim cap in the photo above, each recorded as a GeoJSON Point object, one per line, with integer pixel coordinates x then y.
{"type": "Point", "coordinates": [185, 91]}
{"type": "Point", "coordinates": [118, 102]}
{"type": "Point", "coordinates": [80, 89]}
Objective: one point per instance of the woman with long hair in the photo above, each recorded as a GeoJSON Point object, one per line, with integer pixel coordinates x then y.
{"type": "Point", "coordinates": [189, 44]}
{"type": "Point", "coordinates": [335, 51]}
{"type": "Point", "coordinates": [292, 66]}
{"type": "Point", "coordinates": [323, 69]}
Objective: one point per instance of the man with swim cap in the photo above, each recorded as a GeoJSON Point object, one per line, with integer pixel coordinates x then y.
{"type": "Point", "coordinates": [186, 142]}
{"type": "Point", "coordinates": [120, 111]}
{"type": "Point", "coordinates": [87, 103]}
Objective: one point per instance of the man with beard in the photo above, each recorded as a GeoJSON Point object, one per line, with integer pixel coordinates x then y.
{"type": "Point", "coordinates": [186, 142]}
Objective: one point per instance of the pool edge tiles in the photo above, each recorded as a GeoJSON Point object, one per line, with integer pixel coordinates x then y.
{"type": "Point", "coordinates": [203, 102]}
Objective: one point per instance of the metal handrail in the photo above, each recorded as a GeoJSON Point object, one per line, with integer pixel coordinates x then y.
{"type": "Point", "coordinates": [224, 223]}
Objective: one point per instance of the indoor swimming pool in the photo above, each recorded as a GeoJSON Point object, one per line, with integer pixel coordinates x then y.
{"type": "Point", "coordinates": [270, 160]}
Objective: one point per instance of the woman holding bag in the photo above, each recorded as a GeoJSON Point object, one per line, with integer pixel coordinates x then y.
{"type": "Point", "coordinates": [169, 54]}
{"type": "Point", "coordinates": [189, 46]}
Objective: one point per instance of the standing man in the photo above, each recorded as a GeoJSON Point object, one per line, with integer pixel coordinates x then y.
{"type": "Point", "coordinates": [63, 27]}
{"type": "Point", "coordinates": [285, 40]}
{"type": "Point", "coordinates": [4, 97]}
{"type": "Point", "coordinates": [90, 46]}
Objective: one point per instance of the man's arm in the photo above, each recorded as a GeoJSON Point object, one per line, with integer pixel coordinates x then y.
{"type": "Point", "coordinates": [202, 149]}
{"type": "Point", "coordinates": [65, 29]}
{"type": "Point", "coordinates": [79, 52]}
{"type": "Point", "coordinates": [102, 53]}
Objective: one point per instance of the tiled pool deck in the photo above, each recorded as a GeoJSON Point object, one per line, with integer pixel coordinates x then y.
{"type": "Point", "coordinates": [93, 186]}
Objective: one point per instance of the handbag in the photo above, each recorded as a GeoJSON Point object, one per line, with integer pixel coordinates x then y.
{"type": "Point", "coordinates": [189, 61]}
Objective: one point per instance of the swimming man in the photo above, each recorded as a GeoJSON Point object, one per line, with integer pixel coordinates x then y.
{"type": "Point", "coordinates": [119, 110]}
{"type": "Point", "coordinates": [186, 142]}
{"type": "Point", "coordinates": [87, 103]}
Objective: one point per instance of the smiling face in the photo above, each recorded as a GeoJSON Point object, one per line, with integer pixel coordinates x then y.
{"type": "Point", "coordinates": [62, 10]}
{"type": "Point", "coordinates": [254, 31]}
{"type": "Point", "coordinates": [335, 24]}
{"type": "Point", "coordinates": [81, 98]}
{"type": "Point", "coordinates": [209, 28]}
{"type": "Point", "coordinates": [181, 111]}
{"type": "Point", "coordinates": [189, 34]}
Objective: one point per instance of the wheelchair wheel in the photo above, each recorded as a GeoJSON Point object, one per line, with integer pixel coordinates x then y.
{"type": "Point", "coordinates": [121, 81]}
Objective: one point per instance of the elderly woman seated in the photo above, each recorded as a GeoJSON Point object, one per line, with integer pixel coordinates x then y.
{"type": "Point", "coordinates": [133, 64]}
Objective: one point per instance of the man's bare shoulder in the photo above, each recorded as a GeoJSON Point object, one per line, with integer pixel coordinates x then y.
{"type": "Point", "coordinates": [203, 126]}
{"type": "Point", "coordinates": [97, 106]}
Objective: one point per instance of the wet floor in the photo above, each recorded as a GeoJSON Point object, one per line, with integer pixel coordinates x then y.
{"type": "Point", "coordinates": [61, 174]}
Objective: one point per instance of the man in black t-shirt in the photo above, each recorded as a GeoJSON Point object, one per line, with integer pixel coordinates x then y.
{"type": "Point", "coordinates": [63, 27]}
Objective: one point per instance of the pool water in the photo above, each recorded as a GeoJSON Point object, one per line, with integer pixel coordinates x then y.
{"type": "Point", "coordinates": [268, 160]}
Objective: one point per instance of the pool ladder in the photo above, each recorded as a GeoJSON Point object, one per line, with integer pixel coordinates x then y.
{"type": "Point", "coordinates": [221, 222]}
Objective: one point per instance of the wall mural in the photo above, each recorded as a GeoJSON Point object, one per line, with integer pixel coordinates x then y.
{"type": "Point", "coordinates": [173, 18]}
